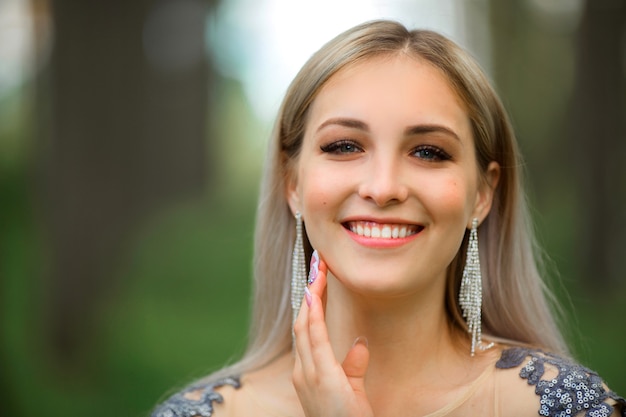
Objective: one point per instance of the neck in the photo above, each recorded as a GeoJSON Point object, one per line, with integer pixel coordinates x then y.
{"type": "Point", "coordinates": [409, 337]}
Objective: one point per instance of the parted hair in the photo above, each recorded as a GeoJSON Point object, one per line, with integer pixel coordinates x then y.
{"type": "Point", "coordinates": [517, 306]}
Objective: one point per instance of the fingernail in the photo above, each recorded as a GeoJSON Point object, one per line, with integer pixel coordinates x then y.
{"type": "Point", "coordinates": [361, 340]}
{"type": "Point", "coordinates": [314, 269]}
{"type": "Point", "coordinates": [307, 296]}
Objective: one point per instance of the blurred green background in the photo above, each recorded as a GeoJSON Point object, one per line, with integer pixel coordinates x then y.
{"type": "Point", "coordinates": [131, 142]}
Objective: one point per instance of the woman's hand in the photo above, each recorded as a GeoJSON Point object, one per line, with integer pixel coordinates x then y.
{"type": "Point", "coordinates": [326, 387]}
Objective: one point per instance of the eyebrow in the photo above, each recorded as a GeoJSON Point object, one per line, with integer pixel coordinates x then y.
{"type": "Point", "coordinates": [425, 129]}
{"type": "Point", "coordinates": [345, 122]}
{"type": "Point", "coordinates": [409, 131]}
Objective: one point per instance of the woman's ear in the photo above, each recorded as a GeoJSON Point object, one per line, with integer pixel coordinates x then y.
{"type": "Point", "coordinates": [292, 193]}
{"type": "Point", "coordinates": [486, 191]}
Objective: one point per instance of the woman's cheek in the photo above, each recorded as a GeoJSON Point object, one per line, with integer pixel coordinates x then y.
{"type": "Point", "coordinates": [451, 196]}
{"type": "Point", "coordinates": [320, 188]}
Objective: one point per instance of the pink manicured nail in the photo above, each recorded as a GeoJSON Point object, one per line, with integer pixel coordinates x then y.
{"type": "Point", "coordinates": [314, 269]}
{"type": "Point", "coordinates": [361, 340]}
{"type": "Point", "coordinates": [307, 296]}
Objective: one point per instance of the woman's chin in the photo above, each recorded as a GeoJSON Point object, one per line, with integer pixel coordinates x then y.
{"type": "Point", "coordinates": [372, 286]}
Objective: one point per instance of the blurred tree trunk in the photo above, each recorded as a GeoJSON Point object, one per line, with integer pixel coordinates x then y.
{"type": "Point", "coordinates": [124, 106]}
{"type": "Point", "coordinates": [598, 134]}
{"type": "Point", "coordinates": [565, 89]}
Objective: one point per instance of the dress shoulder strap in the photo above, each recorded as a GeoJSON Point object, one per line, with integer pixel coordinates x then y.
{"type": "Point", "coordinates": [195, 401]}
{"type": "Point", "coordinates": [575, 390]}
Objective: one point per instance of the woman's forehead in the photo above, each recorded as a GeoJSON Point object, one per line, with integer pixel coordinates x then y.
{"type": "Point", "coordinates": [400, 86]}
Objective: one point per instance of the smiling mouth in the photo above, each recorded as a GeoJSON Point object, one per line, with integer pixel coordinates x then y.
{"type": "Point", "coordinates": [382, 230]}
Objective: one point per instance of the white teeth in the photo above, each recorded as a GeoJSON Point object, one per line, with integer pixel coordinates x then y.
{"type": "Point", "coordinates": [384, 231]}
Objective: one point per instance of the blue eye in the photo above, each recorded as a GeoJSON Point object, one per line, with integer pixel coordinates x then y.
{"type": "Point", "coordinates": [430, 153]}
{"type": "Point", "coordinates": [341, 147]}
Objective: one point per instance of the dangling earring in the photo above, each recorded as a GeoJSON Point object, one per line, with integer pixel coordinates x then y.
{"type": "Point", "coordinates": [298, 271]}
{"type": "Point", "coordinates": [471, 291]}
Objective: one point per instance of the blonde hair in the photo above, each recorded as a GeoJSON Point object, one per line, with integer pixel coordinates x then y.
{"type": "Point", "coordinates": [515, 306]}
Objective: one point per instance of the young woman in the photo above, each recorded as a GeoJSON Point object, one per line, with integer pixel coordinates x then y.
{"type": "Point", "coordinates": [393, 158]}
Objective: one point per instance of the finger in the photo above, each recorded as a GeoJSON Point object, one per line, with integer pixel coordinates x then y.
{"type": "Point", "coordinates": [297, 374]}
{"type": "Point", "coordinates": [321, 349]}
{"type": "Point", "coordinates": [297, 365]}
{"type": "Point", "coordinates": [302, 340]}
{"type": "Point", "coordinates": [302, 316]}
{"type": "Point", "coordinates": [317, 276]}
{"type": "Point", "coordinates": [313, 351]}
{"type": "Point", "coordinates": [355, 364]}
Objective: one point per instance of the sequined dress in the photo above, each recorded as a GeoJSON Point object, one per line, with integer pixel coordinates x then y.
{"type": "Point", "coordinates": [572, 390]}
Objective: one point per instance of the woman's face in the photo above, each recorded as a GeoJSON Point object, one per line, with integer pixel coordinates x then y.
{"type": "Point", "coordinates": [387, 180]}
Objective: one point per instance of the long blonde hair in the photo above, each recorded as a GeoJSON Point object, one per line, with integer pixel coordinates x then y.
{"type": "Point", "coordinates": [515, 304]}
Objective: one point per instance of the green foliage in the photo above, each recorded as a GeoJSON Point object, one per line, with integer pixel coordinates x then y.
{"type": "Point", "coordinates": [180, 312]}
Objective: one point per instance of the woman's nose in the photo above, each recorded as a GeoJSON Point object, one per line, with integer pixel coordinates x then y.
{"type": "Point", "coordinates": [383, 183]}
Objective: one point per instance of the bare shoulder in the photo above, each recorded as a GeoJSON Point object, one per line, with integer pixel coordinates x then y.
{"type": "Point", "coordinates": [200, 399]}
{"type": "Point", "coordinates": [264, 392]}
{"type": "Point", "coordinates": [533, 382]}
{"type": "Point", "coordinates": [270, 390]}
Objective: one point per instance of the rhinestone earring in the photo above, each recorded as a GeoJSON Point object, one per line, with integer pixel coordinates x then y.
{"type": "Point", "coordinates": [471, 291]}
{"type": "Point", "coordinates": [298, 270]}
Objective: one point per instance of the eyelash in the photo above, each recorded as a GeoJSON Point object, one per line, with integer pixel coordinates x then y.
{"type": "Point", "coordinates": [336, 147]}
{"type": "Point", "coordinates": [345, 146]}
{"type": "Point", "coordinates": [436, 154]}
